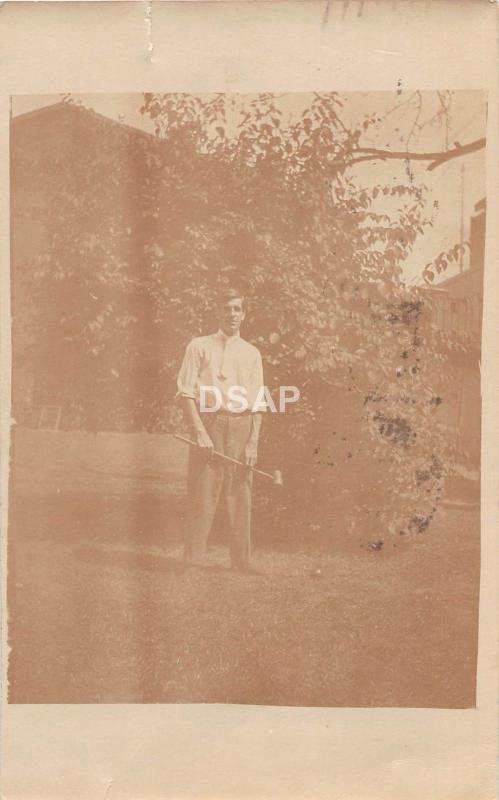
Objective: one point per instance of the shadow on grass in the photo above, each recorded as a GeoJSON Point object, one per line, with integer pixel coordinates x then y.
{"type": "Point", "coordinates": [145, 562]}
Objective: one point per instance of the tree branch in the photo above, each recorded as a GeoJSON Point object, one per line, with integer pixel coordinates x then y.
{"type": "Point", "coordinates": [435, 159]}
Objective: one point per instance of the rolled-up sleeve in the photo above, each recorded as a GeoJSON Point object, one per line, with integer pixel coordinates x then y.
{"type": "Point", "coordinates": [188, 376]}
{"type": "Point", "coordinates": [256, 378]}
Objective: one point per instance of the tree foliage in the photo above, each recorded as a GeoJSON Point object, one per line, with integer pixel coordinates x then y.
{"type": "Point", "coordinates": [142, 237]}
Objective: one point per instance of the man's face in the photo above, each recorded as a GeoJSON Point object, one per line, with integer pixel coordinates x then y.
{"type": "Point", "coordinates": [231, 315]}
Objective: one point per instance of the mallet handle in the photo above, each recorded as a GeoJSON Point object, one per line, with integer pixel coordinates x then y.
{"type": "Point", "coordinates": [221, 455]}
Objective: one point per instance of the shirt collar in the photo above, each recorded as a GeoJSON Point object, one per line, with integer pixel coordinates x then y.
{"type": "Point", "coordinates": [223, 336]}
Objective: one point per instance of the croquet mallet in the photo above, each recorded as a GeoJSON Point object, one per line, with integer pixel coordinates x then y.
{"type": "Point", "coordinates": [275, 477]}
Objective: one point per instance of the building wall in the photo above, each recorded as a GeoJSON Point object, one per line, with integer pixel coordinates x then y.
{"type": "Point", "coordinates": [40, 141]}
{"type": "Point", "coordinates": [458, 305]}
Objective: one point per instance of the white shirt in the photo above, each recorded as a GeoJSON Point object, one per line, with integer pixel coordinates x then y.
{"type": "Point", "coordinates": [221, 361]}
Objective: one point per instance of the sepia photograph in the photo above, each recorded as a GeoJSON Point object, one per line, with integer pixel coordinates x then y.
{"type": "Point", "coordinates": [246, 406]}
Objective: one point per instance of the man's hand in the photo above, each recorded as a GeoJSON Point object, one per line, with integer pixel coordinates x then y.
{"type": "Point", "coordinates": [204, 442]}
{"type": "Point", "coordinates": [250, 454]}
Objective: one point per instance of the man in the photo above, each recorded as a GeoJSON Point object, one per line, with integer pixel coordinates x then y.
{"type": "Point", "coordinates": [212, 366]}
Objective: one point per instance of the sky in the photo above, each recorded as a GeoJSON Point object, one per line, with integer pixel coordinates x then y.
{"type": "Point", "coordinates": [408, 121]}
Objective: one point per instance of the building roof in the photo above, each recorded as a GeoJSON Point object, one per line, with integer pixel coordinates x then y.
{"type": "Point", "coordinates": [65, 107]}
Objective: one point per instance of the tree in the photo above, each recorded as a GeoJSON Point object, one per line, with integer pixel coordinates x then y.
{"type": "Point", "coordinates": [233, 194]}
{"type": "Point", "coordinates": [435, 159]}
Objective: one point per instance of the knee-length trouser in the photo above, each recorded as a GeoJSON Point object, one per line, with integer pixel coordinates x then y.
{"type": "Point", "coordinates": [216, 481]}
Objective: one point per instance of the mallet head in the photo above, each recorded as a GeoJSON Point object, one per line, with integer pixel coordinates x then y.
{"type": "Point", "coordinates": [277, 475]}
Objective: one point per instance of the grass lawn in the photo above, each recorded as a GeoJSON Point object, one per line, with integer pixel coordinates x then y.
{"type": "Point", "coordinates": [99, 611]}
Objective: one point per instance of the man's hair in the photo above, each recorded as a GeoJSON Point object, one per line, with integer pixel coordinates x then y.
{"type": "Point", "coordinates": [230, 293]}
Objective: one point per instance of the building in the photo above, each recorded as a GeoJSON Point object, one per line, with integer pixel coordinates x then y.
{"type": "Point", "coordinates": [46, 147]}
{"type": "Point", "coordinates": [458, 302]}
{"type": "Point", "coordinates": [460, 297]}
